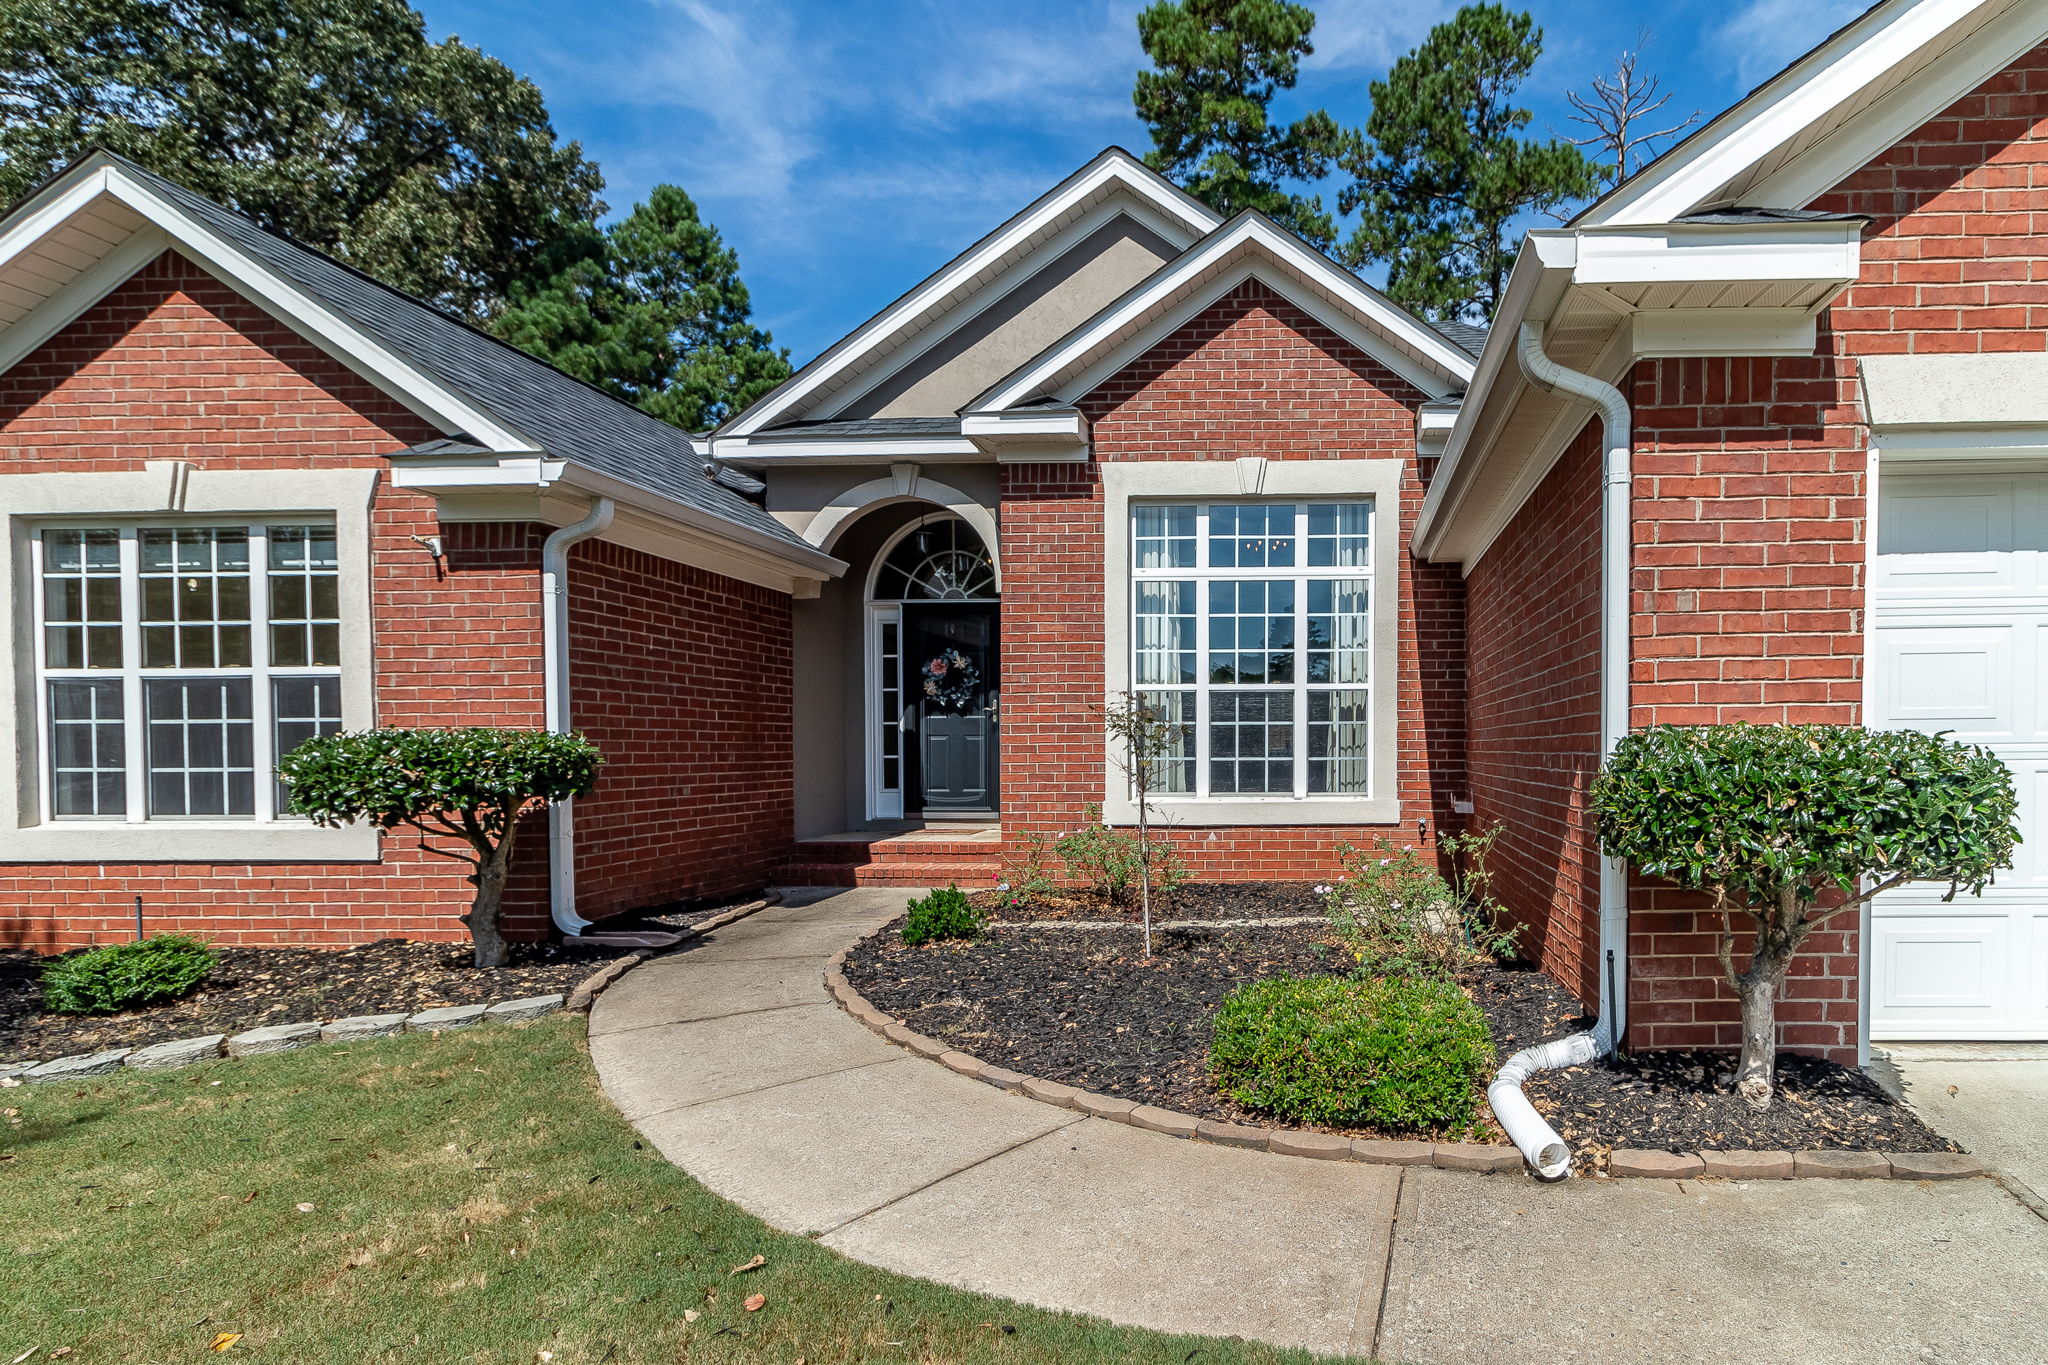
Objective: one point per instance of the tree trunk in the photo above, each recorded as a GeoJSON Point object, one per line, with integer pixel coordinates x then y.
{"type": "Point", "coordinates": [1759, 987]}
{"type": "Point", "coordinates": [482, 919]}
{"type": "Point", "coordinates": [1145, 871]}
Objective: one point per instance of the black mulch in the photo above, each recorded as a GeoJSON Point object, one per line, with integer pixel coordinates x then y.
{"type": "Point", "coordinates": [251, 987]}
{"type": "Point", "coordinates": [1086, 1008]}
{"type": "Point", "coordinates": [1197, 900]}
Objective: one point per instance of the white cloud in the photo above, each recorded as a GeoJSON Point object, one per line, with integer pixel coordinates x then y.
{"type": "Point", "coordinates": [1763, 37]}
{"type": "Point", "coordinates": [1369, 34]}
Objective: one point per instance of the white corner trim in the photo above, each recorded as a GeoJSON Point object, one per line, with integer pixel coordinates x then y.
{"type": "Point", "coordinates": [1110, 169]}
{"type": "Point", "coordinates": [905, 484]}
{"type": "Point", "coordinates": [1378, 479]}
{"type": "Point", "coordinates": [1724, 332]}
{"type": "Point", "coordinates": [32, 499]}
{"type": "Point", "coordinates": [1981, 390]}
{"type": "Point", "coordinates": [1250, 248]}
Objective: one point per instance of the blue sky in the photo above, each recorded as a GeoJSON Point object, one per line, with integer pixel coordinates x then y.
{"type": "Point", "coordinates": [849, 149]}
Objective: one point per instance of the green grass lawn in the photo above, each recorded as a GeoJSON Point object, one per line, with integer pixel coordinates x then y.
{"type": "Point", "coordinates": [471, 1197]}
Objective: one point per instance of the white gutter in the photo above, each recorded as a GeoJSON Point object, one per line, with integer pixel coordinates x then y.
{"type": "Point", "coordinates": [1546, 1152]}
{"type": "Point", "coordinates": [554, 607]}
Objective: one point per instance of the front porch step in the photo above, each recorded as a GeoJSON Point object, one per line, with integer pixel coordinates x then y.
{"type": "Point", "coordinates": [968, 876]}
{"type": "Point", "coordinates": [970, 858]}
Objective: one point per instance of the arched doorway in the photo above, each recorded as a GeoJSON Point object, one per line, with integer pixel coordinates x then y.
{"type": "Point", "coordinates": [934, 681]}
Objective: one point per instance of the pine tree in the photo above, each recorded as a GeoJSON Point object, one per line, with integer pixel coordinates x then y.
{"type": "Point", "coordinates": [1217, 66]}
{"type": "Point", "coordinates": [652, 310]}
{"type": "Point", "coordinates": [1442, 172]}
{"type": "Point", "coordinates": [335, 122]}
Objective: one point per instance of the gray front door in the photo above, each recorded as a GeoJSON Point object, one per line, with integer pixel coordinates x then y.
{"type": "Point", "coordinates": [951, 689]}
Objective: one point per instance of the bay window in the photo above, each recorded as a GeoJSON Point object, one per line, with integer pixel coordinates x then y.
{"type": "Point", "coordinates": [1252, 630]}
{"type": "Point", "coordinates": [176, 663]}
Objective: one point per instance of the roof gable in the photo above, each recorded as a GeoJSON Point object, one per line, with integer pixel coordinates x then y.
{"type": "Point", "coordinates": [1249, 247]}
{"type": "Point", "coordinates": [1088, 238]}
{"type": "Point", "coordinates": [94, 225]}
{"type": "Point", "coordinates": [1828, 113]}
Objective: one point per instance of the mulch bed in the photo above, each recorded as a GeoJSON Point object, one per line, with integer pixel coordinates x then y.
{"type": "Point", "coordinates": [1086, 1008]}
{"type": "Point", "coordinates": [251, 987]}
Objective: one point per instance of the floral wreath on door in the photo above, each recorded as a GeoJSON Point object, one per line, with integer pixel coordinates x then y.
{"type": "Point", "coordinates": [951, 679]}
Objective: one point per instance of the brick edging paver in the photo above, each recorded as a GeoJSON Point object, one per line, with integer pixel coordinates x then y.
{"type": "Point", "coordinates": [1455, 1156]}
{"type": "Point", "coordinates": [180, 1052]}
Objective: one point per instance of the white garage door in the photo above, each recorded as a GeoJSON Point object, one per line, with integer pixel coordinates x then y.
{"type": "Point", "coordinates": [1961, 644]}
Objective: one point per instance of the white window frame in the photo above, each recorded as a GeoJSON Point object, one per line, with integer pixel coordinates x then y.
{"type": "Point", "coordinates": [1252, 480]}
{"type": "Point", "coordinates": [171, 493]}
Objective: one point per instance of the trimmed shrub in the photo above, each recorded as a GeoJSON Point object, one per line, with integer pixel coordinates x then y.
{"type": "Point", "coordinates": [945, 913]}
{"type": "Point", "coordinates": [1792, 825]}
{"type": "Point", "coordinates": [1402, 1053]}
{"type": "Point", "coordinates": [123, 975]}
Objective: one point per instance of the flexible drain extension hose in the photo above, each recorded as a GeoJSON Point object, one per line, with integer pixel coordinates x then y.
{"type": "Point", "coordinates": [1547, 1154]}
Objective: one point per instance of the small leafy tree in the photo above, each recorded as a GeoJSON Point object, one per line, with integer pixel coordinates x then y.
{"type": "Point", "coordinates": [1143, 741]}
{"type": "Point", "coordinates": [470, 784]}
{"type": "Point", "coordinates": [1792, 825]}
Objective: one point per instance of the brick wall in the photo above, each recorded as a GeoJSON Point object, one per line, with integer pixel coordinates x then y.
{"type": "Point", "coordinates": [1750, 589]}
{"type": "Point", "coordinates": [1533, 712]}
{"type": "Point", "coordinates": [175, 366]}
{"type": "Point", "coordinates": [1252, 375]}
{"type": "Point", "coordinates": [681, 677]}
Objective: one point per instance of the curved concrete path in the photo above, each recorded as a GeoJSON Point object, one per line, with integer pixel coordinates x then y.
{"type": "Point", "coordinates": [729, 1057]}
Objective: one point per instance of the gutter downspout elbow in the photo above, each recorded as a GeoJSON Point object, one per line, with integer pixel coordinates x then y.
{"type": "Point", "coordinates": [554, 606]}
{"type": "Point", "coordinates": [1547, 1153]}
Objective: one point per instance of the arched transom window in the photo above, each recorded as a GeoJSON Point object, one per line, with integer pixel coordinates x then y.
{"type": "Point", "coordinates": [941, 559]}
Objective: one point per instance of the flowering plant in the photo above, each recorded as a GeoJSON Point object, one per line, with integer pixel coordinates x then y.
{"type": "Point", "coordinates": [951, 679]}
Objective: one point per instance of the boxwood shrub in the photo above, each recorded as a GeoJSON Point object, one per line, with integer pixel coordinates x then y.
{"type": "Point", "coordinates": [1399, 1053]}
{"type": "Point", "coordinates": [945, 913]}
{"type": "Point", "coordinates": [123, 975]}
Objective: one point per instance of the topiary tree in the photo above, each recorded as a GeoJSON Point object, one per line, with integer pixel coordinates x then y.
{"type": "Point", "coordinates": [1793, 825]}
{"type": "Point", "coordinates": [469, 784]}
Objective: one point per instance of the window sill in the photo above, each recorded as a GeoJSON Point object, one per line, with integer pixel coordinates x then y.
{"type": "Point", "coordinates": [188, 842]}
{"type": "Point", "coordinates": [1276, 811]}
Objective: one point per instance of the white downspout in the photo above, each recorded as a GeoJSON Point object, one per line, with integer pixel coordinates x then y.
{"type": "Point", "coordinates": [1546, 1152]}
{"type": "Point", "coordinates": [554, 607]}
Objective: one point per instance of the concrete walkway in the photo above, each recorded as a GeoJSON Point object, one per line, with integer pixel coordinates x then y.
{"type": "Point", "coordinates": [731, 1060]}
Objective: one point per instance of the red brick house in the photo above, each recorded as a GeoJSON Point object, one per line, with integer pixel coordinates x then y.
{"type": "Point", "coordinates": [1761, 435]}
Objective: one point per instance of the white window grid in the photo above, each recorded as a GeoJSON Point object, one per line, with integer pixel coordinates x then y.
{"type": "Point", "coordinates": [269, 802]}
{"type": "Point", "coordinates": [1252, 533]}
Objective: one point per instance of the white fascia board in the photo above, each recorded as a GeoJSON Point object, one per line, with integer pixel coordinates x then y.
{"type": "Point", "coordinates": [844, 450]}
{"type": "Point", "coordinates": [1541, 274]}
{"type": "Point", "coordinates": [1920, 97]}
{"type": "Point", "coordinates": [25, 335]}
{"type": "Point", "coordinates": [1111, 167]}
{"type": "Point", "coordinates": [1112, 206]}
{"type": "Point", "coordinates": [1433, 425]}
{"type": "Point", "coordinates": [1158, 307]}
{"type": "Point", "coordinates": [424, 393]}
{"type": "Point", "coordinates": [1666, 332]}
{"type": "Point", "coordinates": [1029, 435]}
{"type": "Point", "coordinates": [775, 562]}
{"type": "Point", "coordinates": [1781, 110]}
{"type": "Point", "coordinates": [1828, 250]}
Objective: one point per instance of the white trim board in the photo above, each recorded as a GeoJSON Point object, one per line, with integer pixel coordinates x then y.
{"type": "Point", "coordinates": [1269, 480]}
{"type": "Point", "coordinates": [1114, 169]}
{"type": "Point", "coordinates": [1249, 248]}
{"type": "Point", "coordinates": [173, 488]}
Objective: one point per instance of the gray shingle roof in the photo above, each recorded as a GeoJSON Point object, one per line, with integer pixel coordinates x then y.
{"type": "Point", "coordinates": [569, 419]}
{"type": "Point", "coordinates": [1466, 337]}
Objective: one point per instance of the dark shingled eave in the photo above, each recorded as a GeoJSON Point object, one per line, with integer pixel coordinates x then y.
{"type": "Point", "coordinates": [569, 419]}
